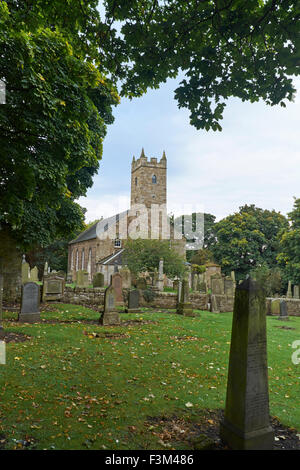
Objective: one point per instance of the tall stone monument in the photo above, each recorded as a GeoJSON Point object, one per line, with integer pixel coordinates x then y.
{"type": "Point", "coordinates": [25, 271]}
{"type": "Point", "coordinates": [246, 422]}
{"type": "Point", "coordinates": [160, 281]}
{"type": "Point", "coordinates": [110, 315]}
{"type": "Point", "coordinates": [30, 303]}
{"type": "Point", "coordinates": [116, 282]}
{"type": "Point", "coordinates": [34, 274]}
{"type": "Point", "coordinates": [289, 291]}
{"type": "Point", "coordinates": [185, 307]}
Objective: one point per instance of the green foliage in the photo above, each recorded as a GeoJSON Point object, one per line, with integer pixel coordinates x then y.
{"type": "Point", "coordinates": [52, 126]}
{"type": "Point", "coordinates": [149, 295]}
{"type": "Point", "coordinates": [289, 256]}
{"type": "Point", "coordinates": [62, 390]}
{"type": "Point", "coordinates": [198, 269]}
{"type": "Point", "coordinates": [201, 257]}
{"type": "Point", "coordinates": [144, 255]}
{"type": "Point", "coordinates": [245, 49]}
{"type": "Point", "coordinates": [269, 279]}
{"type": "Point", "coordinates": [247, 239]}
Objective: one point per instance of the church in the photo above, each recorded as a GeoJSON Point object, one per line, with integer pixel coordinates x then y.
{"type": "Point", "coordinates": [100, 247]}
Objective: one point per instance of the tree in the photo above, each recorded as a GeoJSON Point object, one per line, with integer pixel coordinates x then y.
{"type": "Point", "coordinates": [269, 279]}
{"type": "Point", "coordinates": [144, 255]}
{"type": "Point", "coordinates": [246, 49]}
{"type": "Point", "coordinates": [58, 104]}
{"type": "Point", "coordinates": [289, 256]}
{"type": "Point", "coordinates": [248, 239]}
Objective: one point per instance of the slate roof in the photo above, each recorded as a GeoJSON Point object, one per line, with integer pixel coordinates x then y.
{"type": "Point", "coordinates": [92, 231]}
{"type": "Point", "coordinates": [113, 259]}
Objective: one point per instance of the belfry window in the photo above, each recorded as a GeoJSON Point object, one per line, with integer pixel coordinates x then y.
{"type": "Point", "coordinates": [154, 180]}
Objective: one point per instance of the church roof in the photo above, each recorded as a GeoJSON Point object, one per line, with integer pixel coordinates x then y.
{"type": "Point", "coordinates": [113, 259]}
{"type": "Point", "coordinates": [88, 234]}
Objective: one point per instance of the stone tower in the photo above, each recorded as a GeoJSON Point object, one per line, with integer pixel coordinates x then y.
{"type": "Point", "coordinates": [148, 181]}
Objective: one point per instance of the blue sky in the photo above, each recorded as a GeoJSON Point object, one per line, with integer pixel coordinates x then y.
{"type": "Point", "coordinates": [254, 160]}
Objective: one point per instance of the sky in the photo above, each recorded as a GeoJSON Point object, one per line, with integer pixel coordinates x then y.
{"type": "Point", "coordinates": [254, 160]}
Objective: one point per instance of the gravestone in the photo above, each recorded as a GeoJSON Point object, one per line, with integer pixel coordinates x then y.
{"type": "Point", "coordinates": [133, 301]}
{"type": "Point", "coordinates": [195, 282]}
{"type": "Point", "coordinates": [30, 303]}
{"type": "Point", "coordinates": [246, 423]}
{"type": "Point", "coordinates": [82, 278]}
{"type": "Point", "coordinates": [214, 304]}
{"type": "Point", "coordinates": [229, 286]}
{"type": "Point", "coordinates": [1, 297]}
{"type": "Point", "coordinates": [160, 281]}
{"type": "Point", "coordinates": [175, 284]}
{"type": "Point", "coordinates": [179, 289]}
{"type": "Point", "coordinates": [126, 277]}
{"type": "Point", "coordinates": [110, 315]}
{"type": "Point", "coordinates": [53, 287]}
{"type": "Point", "coordinates": [46, 268]}
{"type": "Point", "coordinates": [34, 274]}
{"type": "Point", "coordinates": [275, 307]}
{"type": "Point", "coordinates": [289, 291]}
{"type": "Point", "coordinates": [232, 275]}
{"type": "Point", "coordinates": [98, 280]}
{"type": "Point", "coordinates": [185, 307]}
{"type": "Point", "coordinates": [296, 292]}
{"type": "Point", "coordinates": [283, 311]}
{"type": "Point", "coordinates": [217, 284]}
{"type": "Point", "coordinates": [116, 282]}
{"type": "Point", "coordinates": [25, 271]}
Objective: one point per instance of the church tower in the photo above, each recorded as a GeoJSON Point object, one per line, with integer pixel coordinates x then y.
{"type": "Point", "coordinates": [148, 181]}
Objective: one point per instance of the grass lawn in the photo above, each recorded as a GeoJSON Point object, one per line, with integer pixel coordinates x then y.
{"type": "Point", "coordinates": [78, 385]}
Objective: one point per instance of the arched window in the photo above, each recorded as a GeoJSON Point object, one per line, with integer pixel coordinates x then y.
{"type": "Point", "coordinates": [154, 180]}
{"type": "Point", "coordinates": [77, 261]}
{"type": "Point", "coordinates": [82, 259]}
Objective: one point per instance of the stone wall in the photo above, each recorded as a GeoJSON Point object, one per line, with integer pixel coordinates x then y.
{"type": "Point", "coordinates": [293, 306]}
{"type": "Point", "coordinates": [167, 300]}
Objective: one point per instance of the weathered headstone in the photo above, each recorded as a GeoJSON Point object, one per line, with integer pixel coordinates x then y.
{"type": "Point", "coordinates": [296, 292]}
{"type": "Point", "coordinates": [110, 315]}
{"type": "Point", "coordinates": [214, 307]}
{"type": "Point", "coordinates": [246, 422]}
{"type": "Point", "coordinates": [195, 282]}
{"type": "Point", "coordinates": [217, 284]}
{"type": "Point", "coordinates": [98, 280]}
{"type": "Point", "coordinates": [30, 303]}
{"type": "Point", "coordinates": [141, 283]}
{"type": "Point", "coordinates": [116, 282]}
{"type": "Point", "coordinates": [232, 275]}
{"type": "Point", "coordinates": [126, 277]}
{"type": "Point", "coordinates": [185, 307]}
{"type": "Point", "coordinates": [229, 286]}
{"type": "Point", "coordinates": [34, 274]}
{"type": "Point", "coordinates": [283, 310]}
{"type": "Point", "coordinates": [25, 271]}
{"type": "Point", "coordinates": [46, 268]}
{"type": "Point", "coordinates": [289, 291]}
{"type": "Point", "coordinates": [82, 278]}
{"type": "Point", "coordinates": [53, 287]}
{"type": "Point", "coordinates": [133, 301]}
{"type": "Point", "coordinates": [160, 281]}
{"type": "Point", "coordinates": [275, 307]}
